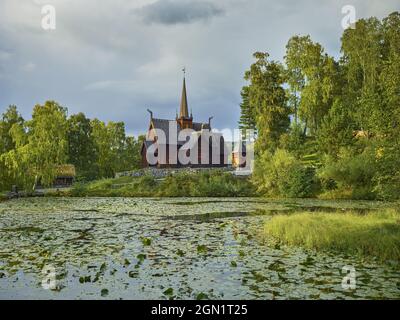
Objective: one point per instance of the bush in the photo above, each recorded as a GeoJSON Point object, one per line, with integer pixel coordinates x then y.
{"type": "Point", "coordinates": [204, 184]}
{"type": "Point", "coordinates": [387, 178]}
{"type": "Point", "coordinates": [282, 175]}
{"type": "Point", "coordinates": [351, 175]}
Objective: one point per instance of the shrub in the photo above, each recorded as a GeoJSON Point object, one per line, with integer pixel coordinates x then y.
{"type": "Point", "coordinates": [350, 174]}
{"type": "Point", "coordinates": [387, 178]}
{"type": "Point", "coordinates": [204, 184]}
{"type": "Point", "coordinates": [281, 174]}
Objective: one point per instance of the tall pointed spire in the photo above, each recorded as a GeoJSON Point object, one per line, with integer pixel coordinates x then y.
{"type": "Point", "coordinates": [184, 112]}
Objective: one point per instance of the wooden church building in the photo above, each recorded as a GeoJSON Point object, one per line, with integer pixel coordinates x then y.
{"type": "Point", "coordinates": [184, 120]}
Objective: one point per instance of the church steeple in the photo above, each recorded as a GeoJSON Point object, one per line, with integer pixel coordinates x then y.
{"type": "Point", "coordinates": [184, 110]}
{"type": "Point", "coordinates": [185, 120]}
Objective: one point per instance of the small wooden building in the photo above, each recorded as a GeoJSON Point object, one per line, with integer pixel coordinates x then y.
{"type": "Point", "coordinates": [65, 176]}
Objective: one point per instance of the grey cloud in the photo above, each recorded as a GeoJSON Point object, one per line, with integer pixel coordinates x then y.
{"type": "Point", "coordinates": [171, 12]}
{"type": "Point", "coordinates": [114, 59]}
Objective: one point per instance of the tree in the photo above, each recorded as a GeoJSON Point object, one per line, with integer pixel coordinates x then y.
{"type": "Point", "coordinates": [113, 148]}
{"type": "Point", "coordinates": [248, 113]}
{"type": "Point", "coordinates": [336, 130]}
{"type": "Point", "coordinates": [267, 95]}
{"type": "Point", "coordinates": [132, 157]}
{"type": "Point", "coordinates": [81, 147]}
{"type": "Point", "coordinates": [40, 146]}
{"type": "Point", "coordinates": [312, 77]}
{"type": "Point", "coordinates": [9, 120]}
{"type": "Point", "coordinates": [362, 60]}
{"type": "Point", "coordinates": [389, 121]}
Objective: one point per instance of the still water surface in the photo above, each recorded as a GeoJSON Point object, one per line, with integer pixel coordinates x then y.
{"type": "Point", "coordinates": [113, 248]}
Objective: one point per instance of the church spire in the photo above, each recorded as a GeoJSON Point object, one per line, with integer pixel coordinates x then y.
{"type": "Point", "coordinates": [184, 112]}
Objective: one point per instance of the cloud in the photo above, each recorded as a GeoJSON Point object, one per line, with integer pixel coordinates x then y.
{"type": "Point", "coordinates": [172, 12]}
{"type": "Point", "coordinates": [114, 59]}
{"type": "Point", "coordinates": [28, 67]}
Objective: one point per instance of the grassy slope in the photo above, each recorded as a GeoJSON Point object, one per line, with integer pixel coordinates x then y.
{"type": "Point", "coordinates": [195, 185]}
{"type": "Point", "coordinates": [375, 234]}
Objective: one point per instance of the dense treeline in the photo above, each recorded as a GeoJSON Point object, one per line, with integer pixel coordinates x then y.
{"type": "Point", "coordinates": [328, 127]}
{"type": "Point", "coordinates": [32, 151]}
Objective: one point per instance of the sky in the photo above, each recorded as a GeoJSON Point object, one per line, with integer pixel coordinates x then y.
{"type": "Point", "coordinates": [114, 59]}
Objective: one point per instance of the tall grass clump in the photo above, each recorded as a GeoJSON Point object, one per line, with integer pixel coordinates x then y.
{"type": "Point", "coordinates": [374, 234]}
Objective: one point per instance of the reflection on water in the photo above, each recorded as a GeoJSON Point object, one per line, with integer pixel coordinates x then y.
{"type": "Point", "coordinates": [171, 249]}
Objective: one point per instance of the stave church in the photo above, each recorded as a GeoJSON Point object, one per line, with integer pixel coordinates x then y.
{"type": "Point", "coordinates": [215, 154]}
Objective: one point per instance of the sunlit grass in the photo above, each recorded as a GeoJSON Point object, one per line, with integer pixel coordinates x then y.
{"type": "Point", "coordinates": [374, 234]}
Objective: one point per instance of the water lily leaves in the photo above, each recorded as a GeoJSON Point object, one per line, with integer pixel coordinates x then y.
{"type": "Point", "coordinates": [146, 241]}
{"type": "Point", "coordinates": [169, 292]}
{"type": "Point", "coordinates": [308, 262]}
{"type": "Point", "coordinates": [103, 267]}
{"type": "Point", "coordinates": [172, 253]}
{"type": "Point", "coordinates": [202, 248]}
{"type": "Point", "coordinates": [84, 279]}
{"type": "Point", "coordinates": [133, 274]}
{"type": "Point", "coordinates": [141, 257]}
{"type": "Point", "coordinates": [180, 253]}
{"type": "Point", "coordinates": [104, 292]}
{"type": "Point", "coordinates": [258, 276]}
{"type": "Point", "coordinates": [202, 296]}
{"type": "Point", "coordinates": [277, 266]}
{"type": "Point", "coordinates": [241, 253]}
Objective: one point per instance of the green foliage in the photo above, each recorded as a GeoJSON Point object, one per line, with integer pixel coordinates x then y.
{"type": "Point", "coordinates": [336, 130]}
{"type": "Point", "coordinates": [282, 175]}
{"type": "Point", "coordinates": [313, 80]}
{"type": "Point", "coordinates": [374, 235]}
{"type": "Point", "coordinates": [294, 140]}
{"type": "Point", "coordinates": [11, 121]}
{"type": "Point", "coordinates": [351, 175]}
{"type": "Point", "coordinates": [32, 151]}
{"type": "Point", "coordinates": [41, 145]}
{"type": "Point", "coordinates": [268, 97]}
{"type": "Point", "coordinates": [387, 177]}
{"type": "Point", "coordinates": [345, 115]}
{"type": "Point", "coordinates": [115, 151]}
{"type": "Point", "coordinates": [248, 113]}
{"type": "Point", "coordinates": [204, 184]}
{"type": "Point", "coordinates": [81, 147]}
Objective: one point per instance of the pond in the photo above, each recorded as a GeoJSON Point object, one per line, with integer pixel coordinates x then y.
{"type": "Point", "coordinates": [175, 248]}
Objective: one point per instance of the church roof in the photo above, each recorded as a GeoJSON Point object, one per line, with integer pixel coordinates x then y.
{"type": "Point", "coordinates": [163, 124]}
